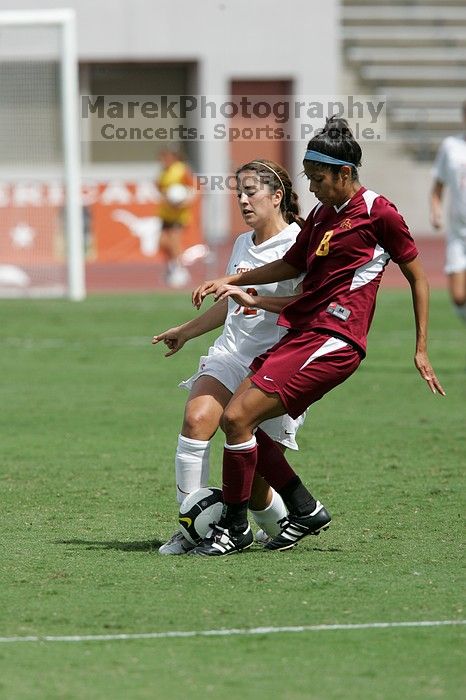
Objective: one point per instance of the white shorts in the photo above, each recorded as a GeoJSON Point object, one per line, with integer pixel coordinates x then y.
{"type": "Point", "coordinates": [455, 255]}
{"type": "Point", "coordinates": [229, 372]}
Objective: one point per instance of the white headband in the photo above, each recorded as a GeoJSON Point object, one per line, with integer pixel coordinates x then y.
{"type": "Point", "coordinates": [275, 173]}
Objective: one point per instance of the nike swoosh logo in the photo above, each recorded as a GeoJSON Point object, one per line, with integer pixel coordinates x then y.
{"type": "Point", "coordinates": [268, 379]}
{"type": "Point", "coordinates": [188, 521]}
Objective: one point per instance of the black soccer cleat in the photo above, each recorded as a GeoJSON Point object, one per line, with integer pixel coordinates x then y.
{"type": "Point", "coordinates": [222, 542]}
{"type": "Point", "coordinates": [295, 527]}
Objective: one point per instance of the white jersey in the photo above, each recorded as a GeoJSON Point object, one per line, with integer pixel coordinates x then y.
{"type": "Point", "coordinates": [450, 170]}
{"type": "Point", "coordinates": [249, 332]}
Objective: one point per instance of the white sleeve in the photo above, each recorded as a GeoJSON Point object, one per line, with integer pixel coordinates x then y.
{"type": "Point", "coordinates": [289, 288]}
{"type": "Point", "coordinates": [296, 282]}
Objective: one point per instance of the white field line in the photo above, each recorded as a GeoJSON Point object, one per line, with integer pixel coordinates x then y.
{"type": "Point", "coordinates": [231, 632]}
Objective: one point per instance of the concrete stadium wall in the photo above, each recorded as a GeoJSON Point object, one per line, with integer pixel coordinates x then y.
{"type": "Point", "coordinates": [227, 39]}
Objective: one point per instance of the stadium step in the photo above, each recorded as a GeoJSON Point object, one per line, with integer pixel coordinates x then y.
{"type": "Point", "coordinates": [414, 54]}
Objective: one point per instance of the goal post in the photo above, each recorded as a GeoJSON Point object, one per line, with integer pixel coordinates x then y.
{"type": "Point", "coordinates": [41, 237]}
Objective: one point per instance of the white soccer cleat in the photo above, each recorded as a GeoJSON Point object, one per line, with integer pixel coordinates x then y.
{"type": "Point", "coordinates": [177, 544]}
{"type": "Point", "coordinates": [262, 537]}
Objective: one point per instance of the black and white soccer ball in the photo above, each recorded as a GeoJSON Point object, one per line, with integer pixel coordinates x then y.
{"type": "Point", "coordinates": [198, 511]}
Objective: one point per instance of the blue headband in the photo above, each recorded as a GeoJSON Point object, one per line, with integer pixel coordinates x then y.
{"type": "Point", "coordinates": [323, 158]}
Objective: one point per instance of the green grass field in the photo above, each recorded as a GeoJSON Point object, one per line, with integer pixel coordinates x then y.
{"type": "Point", "coordinates": [90, 414]}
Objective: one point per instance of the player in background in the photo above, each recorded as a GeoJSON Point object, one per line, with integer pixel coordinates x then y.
{"type": "Point", "coordinates": [343, 248]}
{"type": "Point", "coordinates": [270, 208]}
{"type": "Point", "coordinates": [450, 172]}
{"type": "Point", "coordinates": [175, 184]}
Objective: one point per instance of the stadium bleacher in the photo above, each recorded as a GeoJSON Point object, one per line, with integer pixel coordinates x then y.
{"type": "Point", "coordinates": [415, 54]}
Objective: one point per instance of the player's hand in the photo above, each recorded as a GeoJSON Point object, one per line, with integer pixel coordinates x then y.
{"type": "Point", "coordinates": [174, 339]}
{"type": "Point", "coordinates": [237, 294]}
{"type": "Point", "coordinates": [427, 373]}
{"type": "Point", "coordinates": [206, 288]}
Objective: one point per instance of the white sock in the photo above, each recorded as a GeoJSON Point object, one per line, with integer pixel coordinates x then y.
{"type": "Point", "coordinates": [191, 466]}
{"type": "Point", "coordinates": [268, 518]}
{"type": "Point", "coordinates": [461, 311]}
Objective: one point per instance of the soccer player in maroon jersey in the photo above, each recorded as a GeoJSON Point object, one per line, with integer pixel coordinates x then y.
{"type": "Point", "coordinates": [343, 249]}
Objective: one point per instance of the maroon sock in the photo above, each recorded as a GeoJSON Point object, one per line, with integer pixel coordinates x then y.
{"type": "Point", "coordinates": [238, 473]}
{"type": "Point", "coordinates": [271, 463]}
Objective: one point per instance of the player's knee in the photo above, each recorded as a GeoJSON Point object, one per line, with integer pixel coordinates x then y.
{"type": "Point", "coordinates": [233, 421]}
{"type": "Point", "coordinates": [197, 424]}
{"type": "Point", "coordinates": [457, 288]}
{"type": "Point", "coordinates": [227, 422]}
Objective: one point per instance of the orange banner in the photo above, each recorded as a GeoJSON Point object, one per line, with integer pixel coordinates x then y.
{"type": "Point", "coordinates": [120, 221]}
{"type": "Point", "coordinates": [130, 230]}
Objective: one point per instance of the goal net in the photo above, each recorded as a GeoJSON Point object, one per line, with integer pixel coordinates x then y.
{"type": "Point", "coordinates": [41, 233]}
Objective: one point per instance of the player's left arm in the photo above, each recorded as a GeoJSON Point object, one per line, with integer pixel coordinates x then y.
{"type": "Point", "coordinates": [414, 273]}
{"type": "Point", "coordinates": [267, 303]}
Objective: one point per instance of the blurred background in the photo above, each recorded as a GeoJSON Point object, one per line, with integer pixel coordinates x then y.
{"type": "Point", "coordinates": [407, 57]}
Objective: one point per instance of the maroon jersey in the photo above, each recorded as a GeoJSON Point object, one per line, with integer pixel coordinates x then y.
{"type": "Point", "coordinates": [344, 252]}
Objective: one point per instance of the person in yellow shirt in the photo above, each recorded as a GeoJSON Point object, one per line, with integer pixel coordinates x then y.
{"type": "Point", "coordinates": [175, 184]}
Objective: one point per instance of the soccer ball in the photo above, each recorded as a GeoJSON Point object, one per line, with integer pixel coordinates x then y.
{"type": "Point", "coordinates": [177, 194]}
{"type": "Point", "coordinates": [198, 511]}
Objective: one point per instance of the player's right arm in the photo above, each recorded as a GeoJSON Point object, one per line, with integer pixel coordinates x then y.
{"type": "Point", "coordinates": [174, 338]}
{"type": "Point", "coordinates": [275, 271]}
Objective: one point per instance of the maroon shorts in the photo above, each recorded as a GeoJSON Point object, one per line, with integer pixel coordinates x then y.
{"type": "Point", "coordinates": [303, 366]}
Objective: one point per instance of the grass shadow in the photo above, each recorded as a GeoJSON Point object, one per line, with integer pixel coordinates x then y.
{"type": "Point", "coordinates": [142, 546]}
{"type": "Point", "coordinates": [152, 546]}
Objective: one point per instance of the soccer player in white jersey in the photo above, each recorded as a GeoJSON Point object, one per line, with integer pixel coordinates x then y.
{"type": "Point", "coordinates": [270, 207]}
{"type": "Point", "coordinates": [450, 172]}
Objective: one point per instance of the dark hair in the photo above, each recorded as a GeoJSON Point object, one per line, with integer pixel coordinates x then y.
{"type": "Point", "coordinates": [336, 139]}
{"type": "Point", "coordinates": [277, 178]}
